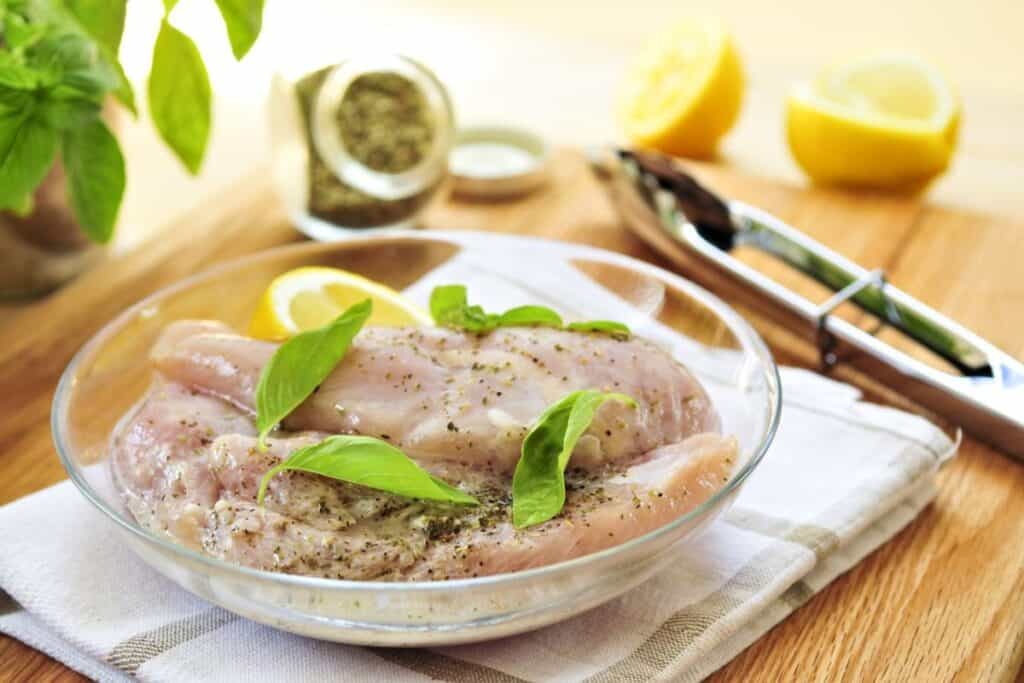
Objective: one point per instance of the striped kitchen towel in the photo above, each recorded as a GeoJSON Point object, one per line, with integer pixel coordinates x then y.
{"type": "Point", "coordinates": [842, 477]}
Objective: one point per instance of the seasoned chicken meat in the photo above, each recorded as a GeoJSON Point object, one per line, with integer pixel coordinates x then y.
{"type": "Point", "coordinates": [444, 395]}
{"type": "Point", "coordinates": [186, 461]}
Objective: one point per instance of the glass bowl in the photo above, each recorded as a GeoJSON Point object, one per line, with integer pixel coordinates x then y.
{"type": "Point", "coordinates": [111, 372]}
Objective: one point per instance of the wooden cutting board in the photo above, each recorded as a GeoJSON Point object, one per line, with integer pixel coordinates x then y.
{"type": "Point", "coordinates": [944, 600]}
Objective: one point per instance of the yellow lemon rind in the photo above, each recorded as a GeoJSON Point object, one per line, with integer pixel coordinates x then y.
{"type": "Point", "coordinates": [694, 126]}
{"type": "Point", "coordinates": [273, 318]}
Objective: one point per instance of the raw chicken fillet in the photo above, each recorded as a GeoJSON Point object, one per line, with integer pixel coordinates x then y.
{"type": "Point", "coordinates": [460, 405]}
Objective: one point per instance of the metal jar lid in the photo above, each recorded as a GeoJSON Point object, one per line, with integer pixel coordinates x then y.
{"type": "Point", "coordinates": [496, 162]}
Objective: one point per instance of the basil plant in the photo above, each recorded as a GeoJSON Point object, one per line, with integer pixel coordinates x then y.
{"type": "Point", "coordinates": [59, 65]}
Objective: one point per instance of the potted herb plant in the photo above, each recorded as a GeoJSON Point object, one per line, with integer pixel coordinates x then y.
{"type": "Point", "coordinates": [62, 174]}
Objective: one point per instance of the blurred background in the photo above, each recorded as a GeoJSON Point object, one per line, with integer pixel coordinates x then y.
{"type": "Point", "coordinates": [554, 67]}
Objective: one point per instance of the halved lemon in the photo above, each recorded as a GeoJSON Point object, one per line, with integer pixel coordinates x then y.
{"type": "Point", "coordinates": [310, 297]}
{"type": "Point", "coordinates": [885, 121]}
{"type": "Point", "coordinates": [685, 90]}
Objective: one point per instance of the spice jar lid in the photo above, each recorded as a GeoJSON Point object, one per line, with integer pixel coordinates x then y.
{"type": "Point", "coordinates": [497, 161]}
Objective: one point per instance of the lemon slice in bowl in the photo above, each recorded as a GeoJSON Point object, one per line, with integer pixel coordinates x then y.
{"type": "Point", "coordinates": [884, 121]}
{"type": "Point", "coordinates": [685, 90]}
{"type": "Point", "coordinates": [309, 297]}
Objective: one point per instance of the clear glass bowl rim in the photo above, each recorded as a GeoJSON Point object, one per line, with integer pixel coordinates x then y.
{"type": "Point", "coordinates": [750, 341]}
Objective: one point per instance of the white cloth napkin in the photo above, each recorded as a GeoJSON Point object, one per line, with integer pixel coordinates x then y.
{"type": "Point", "coordinates": [842, 477]}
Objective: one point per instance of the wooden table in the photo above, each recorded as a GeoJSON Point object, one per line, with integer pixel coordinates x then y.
{"type": "Point", "coordinates": [944, 600]}
{"type": "Point", "coordinates": [554, 67]}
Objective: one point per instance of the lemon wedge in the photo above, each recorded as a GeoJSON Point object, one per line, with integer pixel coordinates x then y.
{"type": "Point", "coordinates": [310, 297]}
{"type": "Point", "coordinates": [884, 121]}
{"type": "Point", "coordinates": [685, 90]}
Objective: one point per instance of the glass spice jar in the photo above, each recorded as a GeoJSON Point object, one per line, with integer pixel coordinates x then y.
{"type": "Point", "coordinates": [361, 144]}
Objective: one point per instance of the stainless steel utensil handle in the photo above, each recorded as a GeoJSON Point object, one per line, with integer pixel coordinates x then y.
{"type": "Point", "coordinates": [896, 308]}
{"type": "Point", "coordinates": [987, 397]}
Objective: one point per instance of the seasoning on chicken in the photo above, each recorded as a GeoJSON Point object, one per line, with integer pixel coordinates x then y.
{"type": "Point", "coordinates": [458, 404]}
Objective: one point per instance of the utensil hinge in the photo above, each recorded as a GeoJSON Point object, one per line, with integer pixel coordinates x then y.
{"type": "Point", "coordinates": [826, 341]}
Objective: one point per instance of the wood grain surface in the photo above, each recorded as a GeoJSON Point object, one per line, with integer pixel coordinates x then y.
{"type": "Point", "coordinates": [555, 67]}
{"type": "Point", "coordinates": [942, 601]}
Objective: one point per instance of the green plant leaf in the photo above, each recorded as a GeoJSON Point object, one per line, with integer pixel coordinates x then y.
{"type": "Point", "coordinates": [103, 21]}
{"type": "Point", "coordinates": [124, 92]}
{"type": "Point", "coordinates": [19, 33]}
{"type": "Point", "coordinates": [243, 19]}
{"type": "Point", "coordinates": [530, 315]}
{"type": "Point", "coordinates": [538, 485]}
{"type": "Point", "coordinates": [606, 326]}
{"type": "Point", "coordinates": [95, 177]}
{"type": "Point", "coordinates": [179, 96]}
{"type": "Point", "coordinates": [25, 208]}
{"type": "Point", "coordinates": [65, 108]}
{"type": "Point", "coordinates": [72, 61]}
{"type": "Point", "coordinates": [445, 300]}
{"type": "Point", "coordinates": [169, 5]}
{"type": "Point", "coordinates": [16, 75]}
{"type": "Point", "coordinates": [300, 364]}
{"type": "Point", "coordinates": [368, 462]}
{"type": "Point", "coordinates": [14, 105]}
{"type": "Point", "coordinates": [28, 145]}
{"type": "Point", "coordinates": [449, 307]}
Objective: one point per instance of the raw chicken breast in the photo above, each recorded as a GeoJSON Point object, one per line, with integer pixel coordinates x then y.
{"type": "Point", "coordinates": [443, 395]}
{"type": "Point", "coordinates": [186, 461]}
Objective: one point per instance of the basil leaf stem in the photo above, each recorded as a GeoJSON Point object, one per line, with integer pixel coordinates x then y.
{"type": "Point", "coordinates": [449, 306]}
{"type": "Point", "coordinates": [538, 485]}
{"type": "Point", "coordinates": [300, 364]}
{"type": "Point", "coordinates": [368, 462]}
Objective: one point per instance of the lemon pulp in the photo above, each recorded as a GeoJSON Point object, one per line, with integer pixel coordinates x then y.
{"type": "Point", "coordinates": [310, 297]}
{"type": "Point", "coordinates": [885, 121]}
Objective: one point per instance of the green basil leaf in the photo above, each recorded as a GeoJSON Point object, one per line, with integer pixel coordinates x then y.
{"type": "Point", "coordinates": [445, 300]}
{"type": "Point", "coordinates": [20, 33]}
{"type": "Point", "coordinates": [607, 326]}
{"type": "Point", "coordinates": [449, 306]}
{"type": "Point", "coordinates": [300, 364]}
{"type": "Point", "coordinates": [64, 109]}
{"type": "Point", "coordinates": [538, 485]}
{"type": "Point", "coordinates": [71, 60]}
{"type": "Point", "coordinates": [28, 145]}
{"type": "Point", "coordinates": [124, 92]}
{"type": "Point", "coordinates": [16, 75]}
{"type": "Point", "coordinates": [95, 177]}
{"type": "Point", "coordinates": [368, 462]}
{"type": "Point", "coordinates": [25, 208]}
{"type": "Point", "coordinates": [15, 106]}
{"type": "Point", "coordinates": [103, 21]}
{"type": "Point", "coordinates": [530, 315]}
{"type": "Point", "coordinates": [179, 96]}
{"type": "Point", "coordinates": [243, 19]}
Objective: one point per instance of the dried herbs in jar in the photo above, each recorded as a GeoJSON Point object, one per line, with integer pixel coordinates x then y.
{"type": "Point", "coordinates": [385, 123]}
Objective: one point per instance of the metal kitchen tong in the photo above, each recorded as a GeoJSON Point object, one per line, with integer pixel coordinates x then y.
{"type": "Point", "coordinates": [658, 200]}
